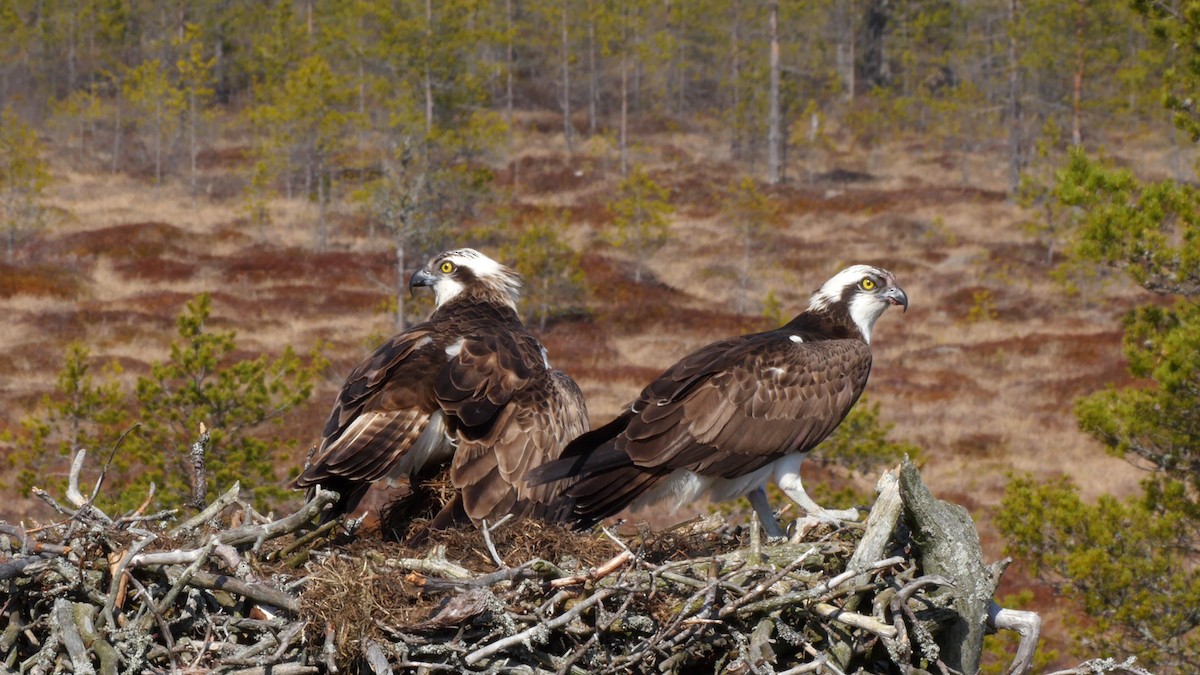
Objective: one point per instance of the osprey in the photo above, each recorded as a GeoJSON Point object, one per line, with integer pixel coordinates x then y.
{"type": "Point", "coordinates": [470, 386]}
{"type": "Point", "coordinates": [732, 415]}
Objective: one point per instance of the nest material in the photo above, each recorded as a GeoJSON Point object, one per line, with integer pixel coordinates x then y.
{"type": "Point", "coordinates": [92, 593]}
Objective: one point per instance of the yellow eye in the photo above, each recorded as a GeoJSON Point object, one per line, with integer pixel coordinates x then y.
{"type": "Point", "coordinates": [447, 267]}
{"type": "Point", "coordinates": [867, 284]}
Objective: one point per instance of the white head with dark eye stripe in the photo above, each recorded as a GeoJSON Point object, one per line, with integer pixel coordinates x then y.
{"type": "Point", "coordinates": [467, 272]}
{"type": "Point", "coordinates": [864, 291]}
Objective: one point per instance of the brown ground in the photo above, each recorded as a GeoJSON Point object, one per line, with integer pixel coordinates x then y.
{"type": "Point", "coordinates": [980, 397]}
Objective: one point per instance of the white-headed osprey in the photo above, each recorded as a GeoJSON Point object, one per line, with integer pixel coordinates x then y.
{"type": "Point", "coordinates": [732, 415]}
{"type": "Point", "coordinates": [470, 386]}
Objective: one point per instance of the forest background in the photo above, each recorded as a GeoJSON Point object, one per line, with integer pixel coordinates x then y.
{"type": "Point", "coordinates": [210, 211]}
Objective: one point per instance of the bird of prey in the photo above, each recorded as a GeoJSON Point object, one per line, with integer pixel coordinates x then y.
{"type": "Point", "coordinates": [470, 386]}
{"type": "Point", "coordinates": [732, 415]}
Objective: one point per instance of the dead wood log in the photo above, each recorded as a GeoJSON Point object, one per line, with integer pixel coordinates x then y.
{"type": "Point", "coordinates": [949, 546]}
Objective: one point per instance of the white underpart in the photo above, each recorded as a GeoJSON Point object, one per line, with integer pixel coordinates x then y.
{"type": "Point", "coordinates": [685, 487]}
{"type": "Point", "coordinates": [445, 290]}
{"type": "Point", "coordinates": [865, 310]}
{"type": "Point", "coordinates": [774, 370]}
{"type": "Point", "coordinates": [422, 342]}
{"type": "Point", "coordinates": [546, 358]}
{"type": "Point", "coordinates": [433, 445]}
{"type": "Point", "coordinates": [453, 349]}
{"type": "Point", "coordinates": [796, 338]}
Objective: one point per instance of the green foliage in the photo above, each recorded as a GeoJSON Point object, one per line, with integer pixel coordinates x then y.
{"type": "Point", "coordinates": [156, 104]}
{"type": "Point", "coordinates": [1053, 220]}
{"type": "Point", "coordinates": [24, 176]}
{"type": "Point", "coordinates": [641, 217]}
{"type": "Point", "coordinates": [1125, 562]}
{"type": "Point", "coordinates": [554, 280]}
{"type": "Point", "coordinates": [80, 413]}
{"type": "Point", "coordinates": [1177, 27]}
{"type": "Point", "coordinates": [751, 212]}
{"type": "Point", "coordinates": [883, 113]}
{"type": "Point", "coordinates": [430, 183]}
{"type": "Point", "coordinates": [1149, 229]}
{"type": "Point", "coordinates": [861, 442]}
{"type": "Point", "coordinates": [203, 381]}
{"type": "Point", "coordinates": [195, 85]}
{"type": "Point", "coordinates": [303, 123]}
{"type": "Point", "coordinates": [1132, 564]}
{"type": "Point", "coordinates": [1158, 426]}
{"type": "Point", "coordinates": [983, 307]}
{"type": "Point", "coordinates": [772, 308]}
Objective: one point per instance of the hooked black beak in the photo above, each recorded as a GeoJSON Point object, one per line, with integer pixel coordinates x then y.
{"type": "Point", "coordinates": [896, 296]}
{"type": "Point", "coordinates": [419, 278]}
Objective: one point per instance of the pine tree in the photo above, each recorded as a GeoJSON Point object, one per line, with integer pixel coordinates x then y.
{"type": "Point", "coordinates": [1132, 563]}
{"type": "Point", "coordinates": [195, 85]}
{"type": "Point", "coordinates": [750, 212]}
{"type": "Point", "coordinates": [148, 431]}
{"type": "Point", "coordinates": [641, 215]}
{"type": "Point", "coordinates": [24, 176]}
{"type": "Point", "coordinates": [554, 282]}
{"type": "Point", "coordinates": [156, 104]}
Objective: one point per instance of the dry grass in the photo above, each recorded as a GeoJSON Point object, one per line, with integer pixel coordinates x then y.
{"type": "Point", "coordinates": [981, 373]}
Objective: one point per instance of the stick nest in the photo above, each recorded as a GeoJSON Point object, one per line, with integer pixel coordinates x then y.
{"type": "Point", "coordinates": [233, 591]}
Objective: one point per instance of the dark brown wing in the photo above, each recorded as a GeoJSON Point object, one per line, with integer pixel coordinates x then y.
{"type": "Point", "coordinates": [766, 397]}
{"type": "Point", "coordinates": [510, 413]}
{"type": "Point", "coordinates": [725, 410]}
{"type": "Point", "coordinates": [381, 410]}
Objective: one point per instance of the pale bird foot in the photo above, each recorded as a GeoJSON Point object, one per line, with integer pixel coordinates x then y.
{"type": "Point", "coordinates": [833, 517]}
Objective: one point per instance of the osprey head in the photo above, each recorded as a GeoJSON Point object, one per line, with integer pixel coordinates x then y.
{"type": "Point", "coordinates": [864, 291]}
{"type": "Point", "coordinates": [467, 271]}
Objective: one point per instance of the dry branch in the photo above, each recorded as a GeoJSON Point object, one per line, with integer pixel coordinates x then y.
{"type": "Point", "coordinates": [275, 596]}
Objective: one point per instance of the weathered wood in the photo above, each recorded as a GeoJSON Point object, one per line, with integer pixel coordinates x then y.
{"type": "Point", "coordinates": [623, 607]}
{"type": "Point", "coordinates": [949, 546]}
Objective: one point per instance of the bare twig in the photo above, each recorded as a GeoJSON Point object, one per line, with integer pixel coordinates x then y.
{"type": "Point", "coordinates": [526, 635]}
{"type": "Point", "coordinates": [230, 496]}
{"type": "Point", "coordinates": [108, 461]}
{"type": "Point", "coordinates": [487, 540]}
{"type": "Point", "coordinates": [199, 474]}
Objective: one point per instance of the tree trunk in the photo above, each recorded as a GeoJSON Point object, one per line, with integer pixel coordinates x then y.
{"type": "Point", "coordinates": [735, 84]}
{"type": "Point", "coordinates": [874, 61]}
{"type": "Point", "coordinates": [852, 57]}
{"type": "Point", "coordinates": [192, 137]}
{"type": "Point", "coordinates": [566, 81]}
{"type": "Point", "coordinates": [624, 149]}
{"type": "Point", "coordinates": [593, 76]}
{"type": "Point", "coordinates": [322, 203]}
{"type": "Point", "coordinates": [158, 134]}
{"type": "Point", "coordinates": [401, 287]}
{"type": "Point", "coordinates": [510, 60]}
{"type": "Point", "coordinates": [545, 304]}
{"type": "Point", "coordinates": [1016, 163]}
{"type": "Point", "coordinates": [744, 282]}
{"type": "Point", "coordinates": [1077, 81]}
{"type": "Point", "coordinates": [774, 115]}
{"type": "Point", "coordinates": [428, 84]}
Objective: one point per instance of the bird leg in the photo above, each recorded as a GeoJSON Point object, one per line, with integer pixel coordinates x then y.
{"type": "Point", "coordinates": [787, 475]}
{"type": "Point", "coordinates": [758, 499]}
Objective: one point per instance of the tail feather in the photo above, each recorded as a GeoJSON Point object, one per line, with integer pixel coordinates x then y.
{"type": "Point", "coordinates": [576, 458]}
